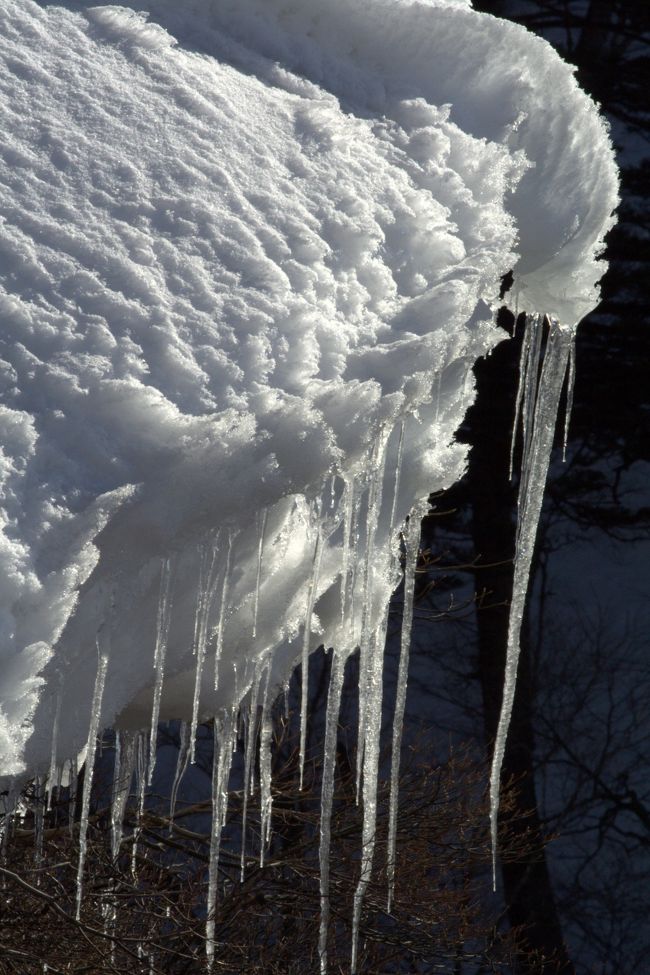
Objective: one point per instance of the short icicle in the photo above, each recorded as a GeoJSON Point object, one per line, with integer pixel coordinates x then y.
{"type": "Point", "coordinates": [411, 551]}
{"type": "Point", "coordinates": [160, 651]}
{"type": "Point", "coordinates": [541, 401]}
{"type": "Point", "coordinates": [181, 766]}
{"type": "Point", "coordinates": [122, 775]}
{"type": "Point", "coordinates": [327, 799]}
{"type": "Point", "coordinates": [91, 750]}
{"type": "Point", "coordinates": [571, 381]}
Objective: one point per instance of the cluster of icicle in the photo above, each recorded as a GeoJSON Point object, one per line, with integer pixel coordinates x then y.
{"type": "Point", "coordinates": [354, 507]}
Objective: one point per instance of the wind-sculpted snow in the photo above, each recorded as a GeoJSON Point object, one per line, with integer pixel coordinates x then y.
{"type": "Point", "coordinates": [249, 253]}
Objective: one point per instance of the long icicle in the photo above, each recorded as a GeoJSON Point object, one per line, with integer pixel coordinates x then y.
{"type": "Point", "coordinates": [327, 799]}
{"type": "Point", "coordinates": [224, 733]}
{"type": "Point", "coordinates": [72, 795]}
{"type": "Point", "coordinates": [251, 740]}
{"type": "Point", "coordinates": [218, 648]}
{"type": "Point", "coordinates": [205, 596]}
{"type": "Point", "coordinates": [160, 650]}
{"type": "Point", "coordinates": [372, 688]}
{"type": "Point", "coordinates": [370, 775]}
{"type": "Point", "coordinates": [523, 369]}
{"type": "Point", "coordinates": [546, 396]}
{"type": "Point", "coordinates": [348, 511]}
{"type": "Point", "coordinates": [91, 749]}
{"type": "Point", "coordinates": [258, 577]}
{"type": "Point", "coordinates": [266, 744]}
{"type": "Point", "coordinates": [375, 492]}
{"type": "Point", "coordinates": [141, 767]}
{"type": "Point", "coordinates": [411, 550]}
{"type": "Point", "coordinates": [55, 744]}
{"type": "Point", "coordinates": [311, 599]}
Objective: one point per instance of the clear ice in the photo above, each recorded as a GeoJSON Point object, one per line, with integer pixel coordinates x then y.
{"type": "Point", "coordinates": [91, 751]}
{"type": "Point", "coordinates": [540, 393]}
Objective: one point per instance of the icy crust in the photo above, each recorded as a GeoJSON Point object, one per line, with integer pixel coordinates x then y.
{"type": "Point", "coordinates": [246, 255]}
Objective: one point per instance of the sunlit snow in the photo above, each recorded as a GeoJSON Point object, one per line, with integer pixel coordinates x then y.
{"type": "Point", "coordinates": [249, 253]}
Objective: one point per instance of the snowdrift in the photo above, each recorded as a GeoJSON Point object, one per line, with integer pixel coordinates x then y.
{"type": "Point", "coordinates": [250, 252]}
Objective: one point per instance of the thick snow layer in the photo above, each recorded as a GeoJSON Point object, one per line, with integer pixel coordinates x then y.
{"type": "Point", "coordinates": [249, 252]}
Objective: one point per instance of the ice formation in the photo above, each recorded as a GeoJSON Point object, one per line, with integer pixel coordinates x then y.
{"type": "Point", "coordinates": [250, 251]}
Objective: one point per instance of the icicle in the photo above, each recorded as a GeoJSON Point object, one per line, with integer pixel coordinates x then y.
{"type": "Point", "coordinates": [141, 769]}
{"type": "Point", "coordinates": [348, 509]}
{"type": "Point", "coordinates": [285, 694]}
{"type": "Point", "coordinates": [333, 491]}
{"type": "Point", "coordinates": [39, 818]}
{"type": "Point", "coordinates": [266, 742]}
{"type": "Point", "coordinates": [545, 396]}
{"type": "Point", "coordinates": [224, 733]}
{"type": "Point", "coordinates": [527, 388]}
{"type": "Point", "coordinates": [372, 732]}
{"type": "Point", "coordinates": [91, 748]}
{"type": "Point", "coordinates": [125, 748]}
{"type": "Point", "coordinates": [571, 381]}
{"type": "Point", "coordinates": [398, 475]}
{"type": "Point", "coordinates": [258, 578]}
{"type": "Point", "coordinates": [438, 393]}
{"type": "Point", "coordinates": [181, 766]}
{"type": "Point", "coordinates": [531, 387]}
{"type": "Point", "coordinates": [372, 517]}
{"type": "Point", "coordinates": [327, 798]}
{"type": "Point", "coordinates": [248, 766]}
{"type": "Point", "coordinates": [72, 799]}
{"type": "Point", "coordinates": [311, 599]}
{"type": "Point", "coordinates": [55, 744]}
{"type": "Point", "coordinates": [523, 365]}
{"type": "Point", "coordinates": [222, 608]}
{"type": "Point", "coordinates": [204, 599]}
{"type": "Point", "coordinates": [352, 639]}
{"type": "Point", "coordinates": [160, 651]}
{"type": "Point", "coordinates": [411, 547]}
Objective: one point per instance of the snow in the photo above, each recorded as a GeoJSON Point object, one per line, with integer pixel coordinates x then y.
{"type": "Point", "coordinates": [250, 252]}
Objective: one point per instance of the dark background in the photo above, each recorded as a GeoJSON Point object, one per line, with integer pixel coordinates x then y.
{"type": "Point", "coordinates": [578, 744]}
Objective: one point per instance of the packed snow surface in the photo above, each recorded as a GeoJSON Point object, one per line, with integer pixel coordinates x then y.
{"type": "Point", "coordinates": [249, 252]}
